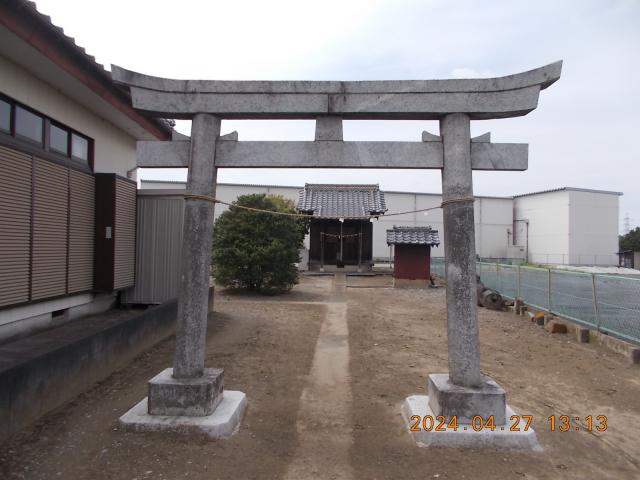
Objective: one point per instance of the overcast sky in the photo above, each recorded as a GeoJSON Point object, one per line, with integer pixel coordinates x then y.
{"type": "Point", "coordinates": [585, 132]}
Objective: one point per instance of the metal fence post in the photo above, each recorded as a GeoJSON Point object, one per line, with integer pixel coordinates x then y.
{"type": "Point", "coordinates": [549, 290]}
{"type": "Point", "coordinates": [518, 286]}
{"type": "Point", "coordinates": [595, 302]}
{"type": "Point", "coordinates": [498, 285]}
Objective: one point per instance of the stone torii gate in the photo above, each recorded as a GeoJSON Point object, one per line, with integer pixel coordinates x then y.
{"type": "Point", "coordinates": [190, 389]}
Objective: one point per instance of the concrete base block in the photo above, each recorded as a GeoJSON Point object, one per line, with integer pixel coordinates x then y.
{"type": "Point", "coordinates": [555, 326]}
{"type": "Point", "coordinates": [190, 397]}
{"type": "Point", "coordinates": [445, 398]}
{"type": "Point", "coordinates": [582, 334]}
{"type": "Point", "coordinates": [222, 423]}
{"type": "Point", "coordinates": [465, 436]}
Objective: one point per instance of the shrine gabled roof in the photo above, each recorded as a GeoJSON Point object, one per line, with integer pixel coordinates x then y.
{"type": "Point", "coordinates": [413, 236]}
{"type": "Point", "coordinates": [341, 201]}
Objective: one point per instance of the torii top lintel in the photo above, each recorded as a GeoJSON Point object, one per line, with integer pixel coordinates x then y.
{"type": "Point", "coordinates": [485, 98]}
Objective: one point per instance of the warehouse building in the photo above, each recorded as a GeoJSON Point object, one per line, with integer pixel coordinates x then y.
{"type": "Point", "coordinates": [551, 227]}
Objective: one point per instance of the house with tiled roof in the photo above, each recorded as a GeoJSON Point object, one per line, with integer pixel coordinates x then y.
{"type": "Point", "coordinates": [341, 231]}
{"type": "Point", "coordinates": [67, 190]}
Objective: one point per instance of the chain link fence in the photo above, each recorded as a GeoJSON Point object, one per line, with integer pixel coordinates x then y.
{"type": "Point", "coordinates": [606, 303]}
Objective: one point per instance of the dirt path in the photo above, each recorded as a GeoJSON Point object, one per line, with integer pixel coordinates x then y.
{"type": "Point", "coordinates": [324, 418]}
{"type": "Point", "coordinates": [325, 369]}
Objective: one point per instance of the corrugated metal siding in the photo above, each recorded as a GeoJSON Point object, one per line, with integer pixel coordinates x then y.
{"type": "Point", "coordinates": [124, 235]}
{"type": "Point", "coordinates": [158, 250]}
{"type": "Point", "coordinates": [50, 223]}
{"type": "Point", "coordinates": [81, 231]}
{"type": "Point", "coordinates": [15, 226]}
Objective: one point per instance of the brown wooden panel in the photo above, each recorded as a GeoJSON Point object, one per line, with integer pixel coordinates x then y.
{"type": "Point", "coordinates": [124, 234]}
{"type": "Point", "coordinates": [15, 226]}
{"type": "Point", "coordinates": [81, 231]}
{"type": "Point", "coordinates": [50, 223]}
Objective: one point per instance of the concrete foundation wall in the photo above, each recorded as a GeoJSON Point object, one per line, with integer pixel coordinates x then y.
{"type": "Point", "coordinates": [75, 356]}
{"type": "Point", "coordinates": [25, 320]}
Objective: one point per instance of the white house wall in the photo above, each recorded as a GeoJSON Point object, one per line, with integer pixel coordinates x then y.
{"type": "Point", "coordinates": [115, 150]}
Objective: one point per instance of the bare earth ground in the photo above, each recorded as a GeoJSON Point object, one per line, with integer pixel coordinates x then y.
{"type": "Point", "coordinates": [326, 369]}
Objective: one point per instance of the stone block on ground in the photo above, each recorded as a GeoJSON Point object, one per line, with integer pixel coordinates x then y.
{"type": "Point", "coordinates": [517, 306]}
{"type": "Point", "coordinates": [445, 398]}
{"type": "Point", "coordinates": [582, 334]}
{"type": "Point", "coordinates": [555, 326]}
{"type": "Point", "coordinates": [185, 396]}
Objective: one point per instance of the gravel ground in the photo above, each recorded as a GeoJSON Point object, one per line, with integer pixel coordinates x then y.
{"type": "Point", "coordinates": [313, 414]}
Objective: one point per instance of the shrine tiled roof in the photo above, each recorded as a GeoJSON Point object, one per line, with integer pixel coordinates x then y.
{"type": "Point", "coordinates": [412, 236]}
{"type": "Point", "coordinates": [341, 201]}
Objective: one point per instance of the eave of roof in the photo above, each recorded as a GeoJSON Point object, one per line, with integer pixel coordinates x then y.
{"type": "Point", "coordinates": [569, 189]}
{"type": "Point", "coordinates": [354, 201]}
{"type": "Point", "coordinates": [23, 19]}
{"type": "Point", "coordinates": [412, 236]}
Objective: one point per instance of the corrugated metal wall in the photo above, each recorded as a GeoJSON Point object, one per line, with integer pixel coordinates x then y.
{"type": "Point", "coordinates": [158, 249]}
{"type": "Point", "coordinates": [15, 226]}
{"type": "Point", "coordinates": [124, 234]}
{"type": "Point", "coordinates": [46, 229]}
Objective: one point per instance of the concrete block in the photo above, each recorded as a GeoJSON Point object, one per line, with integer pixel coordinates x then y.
{"type": "Point", "coordinates": [617, 345]}
{"type": "Point", "coordinates": [465, 436]}
{"type": "Point", "coordinates": [538, 318]}
{"type": "Point", "coordinates": [445, 398]}
{"type": "Point", "coordinates": [222, 423]}
{"type": "Point", "coordinates": [555, 326]}
{"type": "Point", "coordinates": [517, 306]}
{"type": "Point", "coordinates": [582, 334]}
{"type": "Point", "coordinates": [193, 397]}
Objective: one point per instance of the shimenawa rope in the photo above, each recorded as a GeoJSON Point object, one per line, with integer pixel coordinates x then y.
{"type": "Point", "coordinates": [449, 201]}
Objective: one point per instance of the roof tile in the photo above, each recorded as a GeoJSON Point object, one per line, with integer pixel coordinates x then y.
{"type": "Point", "coordinates": [341, 201]}
{"type": "Point", "coordinates": [412, 236]}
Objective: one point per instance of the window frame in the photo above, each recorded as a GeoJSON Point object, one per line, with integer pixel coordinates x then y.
{"type": "Point", "coordinates": [43, 149]}
{"type": "Point", "coordinates": [19, 136]}
{"type": "Point", "coordinates": [10, 103]}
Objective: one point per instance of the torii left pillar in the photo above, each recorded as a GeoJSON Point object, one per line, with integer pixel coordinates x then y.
{"type": "Point", "coordinates": [188, 396]}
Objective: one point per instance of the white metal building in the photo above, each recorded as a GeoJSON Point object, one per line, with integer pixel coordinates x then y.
{"type": "Point", "coordinates": [569, 226]}
{"type": "Point", "coordinates": [563, 226]}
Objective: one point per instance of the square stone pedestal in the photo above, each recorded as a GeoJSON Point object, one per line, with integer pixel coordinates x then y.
{"type": "Point", "coordinates": [190, 397]}
{"type": "Point", "coordinates": [449, 400]}
{"type": "Point", "coordinates": [416, 408]}
{"type": "Point", "coordinates": [188, 405]}
{"type": "Point", "coordinates": [222, 423]}
{"type": "Point", "coordinates": [507, 430]}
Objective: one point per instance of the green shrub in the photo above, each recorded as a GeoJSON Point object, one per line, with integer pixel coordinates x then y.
{"type": "Point", "coordinates": [258, 251]}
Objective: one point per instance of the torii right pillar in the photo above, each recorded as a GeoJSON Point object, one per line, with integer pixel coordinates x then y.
{"type": "Point", "coordinates": [463, 393]}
